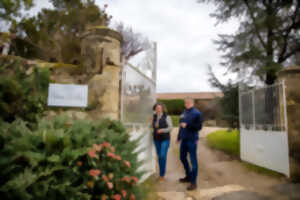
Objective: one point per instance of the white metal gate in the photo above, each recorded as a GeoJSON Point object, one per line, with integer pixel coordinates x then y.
{"type": "Point", "coordinates": [138, 96]}
{"type": "Point", "coordinates": [263, 128]}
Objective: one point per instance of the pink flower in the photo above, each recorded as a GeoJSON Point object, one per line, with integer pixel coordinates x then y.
{"type": "Point", "coordinates": [124, 193]}
{"type": "Point", "coordinates": [117, 157]}
{"type": "Point", "coordinates": [126, 179]}
{"type": "Point", "coordinates": [132, 197]}
{"type": "Point", "coordinates": [110, 176]}
{"type": "Point", "coordinates": [97, 147]}
{"type": "Point", "coordinates": [110, 185]}
{"type": "Point", "coordinates": [112, 149]}
{"type": "Point", "coordinates": [94, 172]}
{"type": "Point", "coordinates": [104, 197]}
{"type": "Point", "coordinates": [92, 153]}
{"type": "Point", "coordinates": [117, 197]}
{"type": "Point", "coordinates": [105, 178]}
{"type": "Point", "coordinates": [110, 154]}
{"type": "Point", "coordinates": [135, 179]}
{"type": "Point", "coordinates": [106, 144]}
{"type": "Point", "coordinates": [127, 163]}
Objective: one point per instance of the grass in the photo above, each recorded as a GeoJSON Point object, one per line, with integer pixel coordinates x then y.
{"type": "Point", "coordinates": [149, 185]}
{"type": "Point", "coordinates": [175, 120]}
{"type": "Point", "coordinates": [229, 142]}
{"type": "Point", "coordinates": [262, 170]}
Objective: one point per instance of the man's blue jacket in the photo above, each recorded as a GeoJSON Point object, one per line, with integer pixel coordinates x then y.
{"type": "Point", "coordinates": [193, 118]}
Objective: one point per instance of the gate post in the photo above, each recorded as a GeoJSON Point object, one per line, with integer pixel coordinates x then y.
{"type": "Point", "coordinates": [101, 60]}
{"type": "Point", "coordinates": [291, 77]}
{"type": "Point", "coordinates": [253, 109]}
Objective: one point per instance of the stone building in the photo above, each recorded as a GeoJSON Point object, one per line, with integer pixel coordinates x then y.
{"type": "Point", "coordinates": [291, 76]}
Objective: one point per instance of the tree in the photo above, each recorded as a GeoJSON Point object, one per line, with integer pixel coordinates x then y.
{"type": "Point", "coordinates": [268, 35]}
{"type": "Point", "coordinates": [229, 102]}
{"type": "Point", "coordinates": [56, 32]}
{"type": "Point", "coordinates": [11, 9]}
{"type": "Point", "coordinates": [133, 42]}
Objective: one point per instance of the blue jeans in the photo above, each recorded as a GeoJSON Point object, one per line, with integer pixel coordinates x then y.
{"type": "Point", "coordinates": [190, 147]}
{"type": "Point", "coordinates": [162, 151]}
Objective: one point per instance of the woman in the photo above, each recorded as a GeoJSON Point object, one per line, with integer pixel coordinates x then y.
{"type": "Point", "coordinates": [162, 127]}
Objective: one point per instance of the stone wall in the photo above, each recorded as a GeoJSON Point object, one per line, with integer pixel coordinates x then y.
{"type": "Point", "coordinates": [100, 69]}
{"type": "Point", "coordinates": [291, 76]}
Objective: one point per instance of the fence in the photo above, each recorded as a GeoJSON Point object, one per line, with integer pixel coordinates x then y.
{"type": "Point", "coordinates": [263, 108]}
{"type": "Point", "coordinates": [263, 125]}
{"type": "Point", "coordinates": [138, 95]}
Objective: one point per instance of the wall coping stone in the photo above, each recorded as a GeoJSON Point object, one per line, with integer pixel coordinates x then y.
{"type": "Point", "coordinates": [103, 31]}
{"type": "Point", "coordinates": [289, 70]}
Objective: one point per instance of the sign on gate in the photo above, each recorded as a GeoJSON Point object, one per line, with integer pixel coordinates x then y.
{"type": "Point", "coordinates": [68, 95]}
{"type": "Point", "coordinates": [137, 99]}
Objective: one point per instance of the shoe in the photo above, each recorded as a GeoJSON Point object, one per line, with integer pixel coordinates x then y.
{"type": "Point", "coordinates": [161, 179]}
{"type": "Point", "coordinates": [184, 180]}
{"type": "Point", "coordinates": [192, 187]}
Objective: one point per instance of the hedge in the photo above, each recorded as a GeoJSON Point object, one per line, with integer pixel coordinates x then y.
{"type": "Point", "coordinates": [174, 106]}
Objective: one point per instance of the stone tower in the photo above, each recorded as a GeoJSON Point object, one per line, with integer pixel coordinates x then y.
{"type": "Point", "coordinates": [101, 61]}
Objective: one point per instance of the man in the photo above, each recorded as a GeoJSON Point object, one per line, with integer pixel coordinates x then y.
{"type": "Point", "coordinates": [190, 124]}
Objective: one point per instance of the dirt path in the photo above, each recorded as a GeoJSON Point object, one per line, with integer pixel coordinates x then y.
{"type": "Point", "coordinates": [220, 177]}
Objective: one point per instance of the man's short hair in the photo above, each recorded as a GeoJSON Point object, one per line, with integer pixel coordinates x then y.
{"type": "Point", "coordinates": [189, 99]}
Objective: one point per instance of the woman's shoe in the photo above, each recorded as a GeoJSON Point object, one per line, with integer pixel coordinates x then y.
{"type": "Point", "coordinates": [161, 179]}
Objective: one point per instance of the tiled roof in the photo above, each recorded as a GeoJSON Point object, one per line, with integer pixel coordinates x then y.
{"type": "Point", "coordinates": [194, 95]}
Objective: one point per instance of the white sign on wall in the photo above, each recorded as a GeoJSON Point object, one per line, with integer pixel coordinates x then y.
{"type": "Point", "coordinates": [68, 95]}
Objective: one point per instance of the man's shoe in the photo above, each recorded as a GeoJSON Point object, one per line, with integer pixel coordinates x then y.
{"type": "Point", "coordinates": [184, 180]}
{"type": "Point", "coordinates": [192, 187]}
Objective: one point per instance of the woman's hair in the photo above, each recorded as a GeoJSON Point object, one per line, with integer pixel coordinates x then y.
{"type": "Point", "coordinates": [164, 109]}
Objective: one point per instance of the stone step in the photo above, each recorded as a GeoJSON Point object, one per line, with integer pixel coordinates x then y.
{"type": "Point", "coordinates": [207, 194]}
{"type": "Point", "coordinates": [171, 195]}
{"type": "Point", "coordinates": [203, 194]}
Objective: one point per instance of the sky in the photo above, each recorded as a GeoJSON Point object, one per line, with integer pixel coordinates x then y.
{"type": "Point", "coordinates": [184, 33]}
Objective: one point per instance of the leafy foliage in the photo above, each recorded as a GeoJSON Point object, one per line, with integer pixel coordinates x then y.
{"type": "Point", "coordinates": [23, 90]}
{"type": "Point", "coordinates": [229, 102]}
{"type": "Point", "coordinates": [62, 160]}
{"type": "Point", "coordinates": [11, 9]}
{"type": "Point", "coordinates": [267, 38]}
{"type": "Point", "coordinates": [175, 120]}
{"type": "Point", "coordinates": [174, 106]}
{"type": "Point", "coordinates": [56, 32]}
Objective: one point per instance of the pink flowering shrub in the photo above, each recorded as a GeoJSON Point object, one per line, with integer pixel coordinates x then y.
{"type": "Point", "coordinates": [108, 175]}
{"type": "Point", "coordinates": [61, 160]}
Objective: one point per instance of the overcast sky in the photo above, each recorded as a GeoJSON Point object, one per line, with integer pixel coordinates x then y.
{"type": "Point", "coordinates": [184, 33]}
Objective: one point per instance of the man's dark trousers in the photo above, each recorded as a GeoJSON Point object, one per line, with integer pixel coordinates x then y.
{"type": "Point", "coordinates": [189, 147]}
{"type": "Point", "coordinates": [189, 138]}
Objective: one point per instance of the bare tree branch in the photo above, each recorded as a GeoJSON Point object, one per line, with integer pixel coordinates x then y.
{"type": "Point", "coordinates": [133, 42]}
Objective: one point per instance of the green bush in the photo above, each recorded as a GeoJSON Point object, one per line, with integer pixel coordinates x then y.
{"type": "Point", "coordinates": [227, 141]}
{"type": "Point", "coordinates": [62, 160]}
{"type": "Point", "coordinates": [23, 90]}
{"type": "Point", "coordinates": [174, 106]}
{"type": "Point", "coordinates": [175, 120]}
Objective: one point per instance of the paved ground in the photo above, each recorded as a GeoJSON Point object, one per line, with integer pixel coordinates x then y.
{"type": "Point", "coordinates": [221, 178]}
